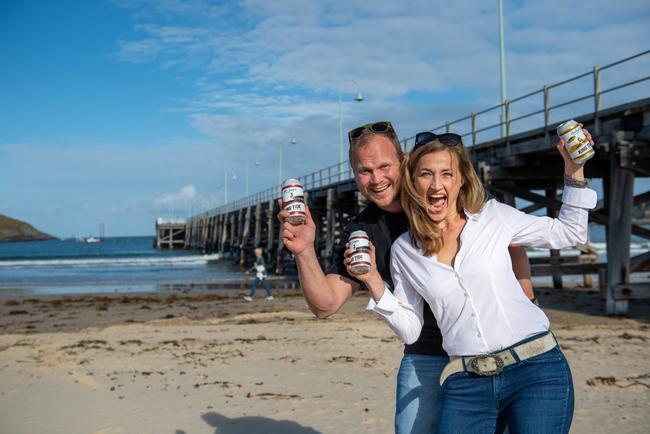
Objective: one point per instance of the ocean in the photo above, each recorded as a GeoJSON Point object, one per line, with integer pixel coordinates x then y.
{"type": "Point", "coordinates": [119, 264]}
{"type": "Point", "coordinates": [132, 264]}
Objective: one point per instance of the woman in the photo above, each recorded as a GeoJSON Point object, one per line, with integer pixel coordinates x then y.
{"type": "Point", "coordinates": [259, 267]}
{"type": "Point", "coordinates": [506, 366]}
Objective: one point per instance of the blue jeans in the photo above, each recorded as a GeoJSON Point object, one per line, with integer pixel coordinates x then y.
{"type": "Point", "coordinates": [265, 284]}
{"type": "Point", "coordinates": [534, 396]}
{"type": "Point", "coordinates": [418, 393]}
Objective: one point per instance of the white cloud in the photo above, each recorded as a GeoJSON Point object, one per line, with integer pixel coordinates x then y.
{"type": "Point", "coordinates": [269, 71]}
{"type": "Point", "coordinates": [182, 197]}
{"type": "Point", "coordinates": [262, 72]}
{"type": "Point", "coordinates": [139, 51]}
{"type": "Point", "coordinates": [258, 59]}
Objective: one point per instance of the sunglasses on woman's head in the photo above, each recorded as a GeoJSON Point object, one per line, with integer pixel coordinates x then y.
{"type": "Point", "coordinates": [376, 127]}
{"type": "Point", "coordinates": [449, 139]}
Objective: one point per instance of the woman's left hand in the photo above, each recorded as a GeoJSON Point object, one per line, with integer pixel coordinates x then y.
{"type": "Point", "coordinates": [571, 168]}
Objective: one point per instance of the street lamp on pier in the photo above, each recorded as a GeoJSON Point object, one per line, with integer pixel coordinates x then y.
{"type": "Point", "coordinates": [502, 70]}
{"type": "Point", "coordinates": [225, 182]}
{"type": "Point", "coordinates": [257, 163]}
{"type": "Point", "coordinates": [357, 98]}
{"type": "Point", "coordinates": [293, 142]}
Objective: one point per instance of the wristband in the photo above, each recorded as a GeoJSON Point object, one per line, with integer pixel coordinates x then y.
{"type": "Point", "coordinates": [572, 182]}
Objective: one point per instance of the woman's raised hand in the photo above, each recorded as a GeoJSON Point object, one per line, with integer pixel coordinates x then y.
{"type": "Point", "coordinates": [571, 168]}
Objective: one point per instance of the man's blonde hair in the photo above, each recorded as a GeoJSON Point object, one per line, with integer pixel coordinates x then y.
{"type": "Point", "coordinates": [366, 138]}
{"type": "Point", "coordinates": [424, 232]}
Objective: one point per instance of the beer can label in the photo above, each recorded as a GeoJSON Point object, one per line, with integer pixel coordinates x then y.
{"type": "Point", "coordinates": [293, 192]}
{"type": "Point", "coordinates": [360, 247]}
{"type": "Point", "coordinates": [295, 207]}
{"type": "Point", "coordinates": [358, 243]}
{"type": "Point", "coordinates": [575, 141]}
{"type": "Point", "coordinates": [293, 197]}
{"type": "Point", "coordinates": [360, 259]}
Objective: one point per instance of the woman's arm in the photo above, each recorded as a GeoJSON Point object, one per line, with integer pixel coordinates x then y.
{"type": "Point", "coordinates": [400, 309]}
{"type": "Point", "coordinates": [571, 226]}
{"type": "Point", "coordinates": [567, 230]}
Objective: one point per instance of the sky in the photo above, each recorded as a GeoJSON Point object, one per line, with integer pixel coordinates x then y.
{"type": "Point", "coordinates": [117, 112]}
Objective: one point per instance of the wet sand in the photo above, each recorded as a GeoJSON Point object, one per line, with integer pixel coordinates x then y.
{"type": "Point", "coordinates": [196, 362]}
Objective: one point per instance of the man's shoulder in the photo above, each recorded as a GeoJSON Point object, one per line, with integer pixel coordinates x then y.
{"type": "Point", "coordinates": [403, 242]}
{"type": "Point", "coordinates": [368, 215]}
{"type": "Point", "coordinates": [365, 220]}
{"type": "Point", "coordinates": [372, 214]}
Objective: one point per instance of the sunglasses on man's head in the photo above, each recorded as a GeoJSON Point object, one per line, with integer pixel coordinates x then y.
{"type": "Point", "coordinates": [449, 139]}
{"type": "Point", "coordinates": [376, 127]}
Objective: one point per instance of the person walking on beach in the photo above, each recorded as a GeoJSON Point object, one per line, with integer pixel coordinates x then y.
{"type": "Point", "coordinates": [375, 157]}
{"type": "Point", "coordinates": [259, 267]}
{"type": "Point", "coordinates": [506, 367]}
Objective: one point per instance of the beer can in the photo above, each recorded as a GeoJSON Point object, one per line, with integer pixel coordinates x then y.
{"type": "Point", "coordinates": [575, 141]}
{"type": "Point", "coordinates": [360, 248]}
{"type": "Point", "coordinates": [293, 201]}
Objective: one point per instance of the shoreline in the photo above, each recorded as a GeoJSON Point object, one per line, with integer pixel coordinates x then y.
{"type": "Point", "coordinates": [86, 289]}
{"type": "Point", "coordinates": [207, 361]}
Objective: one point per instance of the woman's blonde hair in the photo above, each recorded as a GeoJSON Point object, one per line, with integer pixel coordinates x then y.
{"type": "Point", "coordinates": [425, 233]}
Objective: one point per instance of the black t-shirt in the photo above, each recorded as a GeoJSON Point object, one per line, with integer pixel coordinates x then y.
{"type": "Point", "coordinates": [383, 228]}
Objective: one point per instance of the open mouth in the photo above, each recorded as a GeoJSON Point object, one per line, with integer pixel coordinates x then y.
{"type": "Point", "coordinates": [379, 190]}
{"type": "Point", "coordinates": [437, 201]}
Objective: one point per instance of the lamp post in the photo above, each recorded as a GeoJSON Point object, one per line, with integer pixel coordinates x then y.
{"type": "Point", "coordinates": [293, 142]}
{"type": "Point", "coordinates": [357, 98]}
{"type": "Point", "coordinates": [502, 69]}
{"type": "Point", "coordinates": [257, 163]}
{"type": "Point", "coordinates": [216, 196]}
{"type": "Point", "coordinates": [225, 182]}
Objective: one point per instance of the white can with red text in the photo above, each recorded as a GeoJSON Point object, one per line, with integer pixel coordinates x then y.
{"type": "Point", "coordinates": [575, 141]}
{"type": "Point", "coordinates": [293, 201]}
{"type": "Point", "coordinates": [360, 248]}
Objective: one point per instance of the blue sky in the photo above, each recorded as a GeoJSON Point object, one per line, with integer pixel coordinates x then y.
{"type": "Point", "coordinates": [118, 112]}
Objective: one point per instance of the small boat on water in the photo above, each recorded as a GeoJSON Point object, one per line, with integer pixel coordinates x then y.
{"type": "Point", "coordinates": [91, 239]}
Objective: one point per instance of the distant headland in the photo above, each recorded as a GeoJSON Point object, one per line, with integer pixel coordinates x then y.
{"type": "Point", "coordinates": [16, 230]}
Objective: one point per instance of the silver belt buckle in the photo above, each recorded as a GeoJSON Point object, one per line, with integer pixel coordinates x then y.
{"type": "Point", "coordinates": [480, 364]}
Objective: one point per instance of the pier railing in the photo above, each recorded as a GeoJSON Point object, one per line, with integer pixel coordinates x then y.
{"type": "Point", "coordinates": [497, 119]}
{"type": "Point", "coordinates": [321, 178]}
{"type": "Point", "coordinates": [470, 138]}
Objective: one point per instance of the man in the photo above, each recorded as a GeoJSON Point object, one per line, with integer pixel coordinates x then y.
{"type": "Point", "coordinates": [375, 156]}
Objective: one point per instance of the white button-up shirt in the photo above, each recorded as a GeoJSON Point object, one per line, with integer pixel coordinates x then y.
{"type": "Point", "coordinates": [478, 303]}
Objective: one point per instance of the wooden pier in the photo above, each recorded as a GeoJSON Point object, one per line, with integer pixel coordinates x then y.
{"type": "Point", "coordinates": [518, 167]}
{"type": "Point", "coordinates": [170, 233]}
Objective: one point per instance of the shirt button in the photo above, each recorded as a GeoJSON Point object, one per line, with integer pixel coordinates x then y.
{"type": "Point", "coordinates": [473, 314]}
{"type": "Point", "coordinates": [478, 335]}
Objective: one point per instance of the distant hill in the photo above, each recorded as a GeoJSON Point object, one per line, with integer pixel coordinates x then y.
{"type": "Point", "coordinates": [15, 230]}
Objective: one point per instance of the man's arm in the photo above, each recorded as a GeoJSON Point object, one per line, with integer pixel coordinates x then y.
{"type": "Point", "coordinates": [324, 294]}
{"type": "Point", "coordinates": [521, 268]}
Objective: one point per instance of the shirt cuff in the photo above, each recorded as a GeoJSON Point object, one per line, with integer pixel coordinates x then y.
{"type": "Point", "coordinates": [579, 197]}
{"type": "Point", "coordinates": [386, 305]}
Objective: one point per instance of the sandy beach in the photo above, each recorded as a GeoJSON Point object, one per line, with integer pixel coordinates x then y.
{"type": "Point", "coordinates": [196, 362]}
